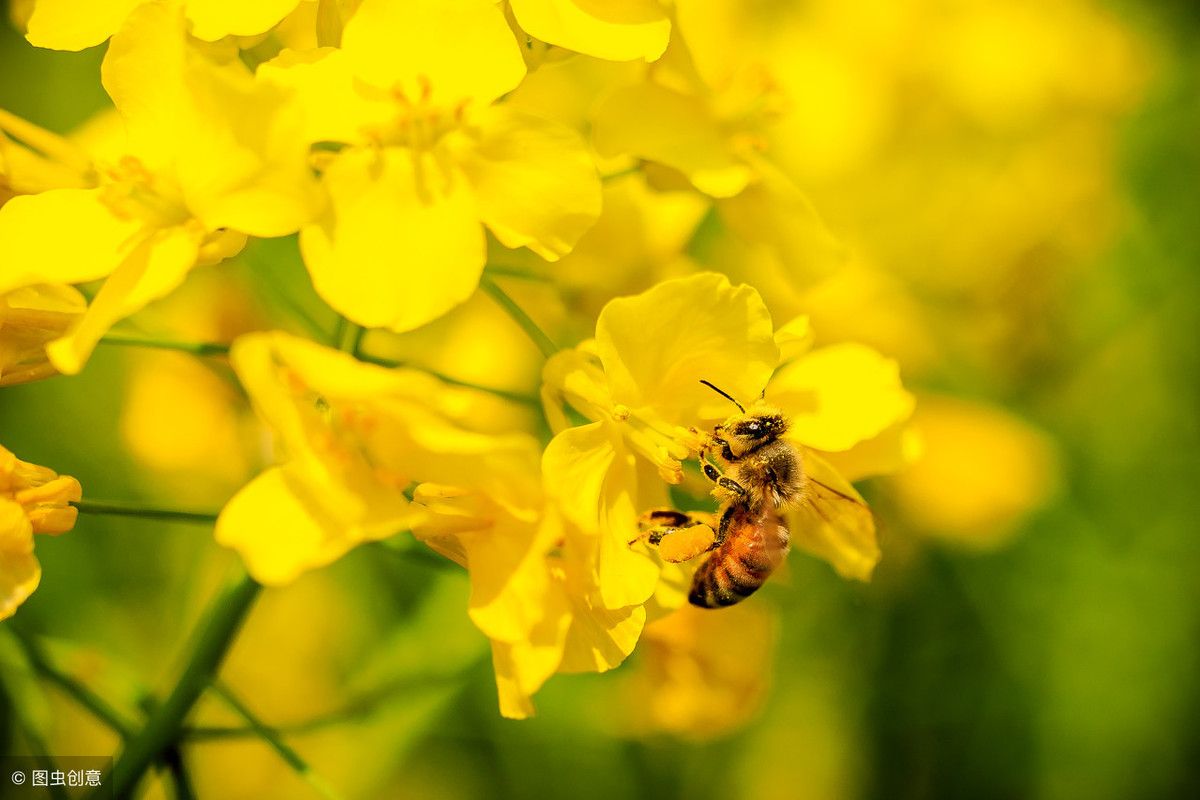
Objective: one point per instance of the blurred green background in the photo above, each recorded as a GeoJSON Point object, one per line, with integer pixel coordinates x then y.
{"type": "Point", "coordinates": [1061, 660]}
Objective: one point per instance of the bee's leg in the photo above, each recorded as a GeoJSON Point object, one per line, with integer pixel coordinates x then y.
{"type": "Point", "coordinates": [728, 489]}
{"type": "Point", "coordinates": [678, 536]}
{"type": "Point", "coordinates": [732, 486]}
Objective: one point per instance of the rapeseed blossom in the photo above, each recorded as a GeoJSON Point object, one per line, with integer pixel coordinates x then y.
{"type": "Point", "coordinates": [368, 452]}
{"type": "Point", "coordinates": [427, 158]}
{"type": "Point", "coordinates": [618, 31]}
{"type": "Point", "coordinates": [408, 145]}
{"type": "Point", "coordinates": [701, 117]}
{"type": "Point", "coordinates": [213, 156]}
{"type": "Point", "coordinates": [637, 386]}
{"type": "Point", "coordinates": [33, 499]}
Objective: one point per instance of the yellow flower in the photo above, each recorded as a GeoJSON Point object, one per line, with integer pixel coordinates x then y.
{"type": "Point", "coordinates": [638, 384]}
{"type": "Point", "coordinates": [532, 593]}
{"type": "Point", "coordinates": [353, 438]}
{"type": "Point", "coordinates": [337, 485]}
{"type": "Point", "coordinates": [79, 24]}
{"type": "Point", "coordinates": [701, 675]}
{"type": "Point", "coordinates": [429, 160]}
{"type": "Point", "coordinates": [952, 491]}
{"type": "Point", "coordinates": [29, 318]}
{"type": "Point", "coordinates": [215, 157]}
{"type": "Point", "coordinates": [620, 30]}
{"type": "Point", "coordinates": [700, 117]}
{"type": "Point", "coordinates": [33, 160]}
{"type": "Point", "coordinates": [33, 500]}
{"type": "Point", "coordinates": [849, 412]}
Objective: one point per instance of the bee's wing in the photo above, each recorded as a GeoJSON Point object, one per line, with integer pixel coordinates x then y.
{"type": "Point", "coordinates": [832, 521]}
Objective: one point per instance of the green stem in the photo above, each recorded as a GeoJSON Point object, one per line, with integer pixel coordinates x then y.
{"type": "Point", "coordinates": [500, 270]}
{"type": "Point", "coordinates": [621, 173]}
{"type": "Point", "coordinates": [360, 707]}
{"type": "Point", "coordinates": [515, 397]}
{"type": "Point", "coordinates": [81, 694]}
{"type": "Point", "coordinates": [212, 639]}
{"type": "Point", "coordinates": [339, 331]}
{"type": "Point", "coordinates": [164, 514]}
{"type": "Point", "coordinates": [271, 737]}
{"type": "Point", "coordinates": [179, 775]}
{"type": "Point", "coordinates": [539, 337]}
{"type": "Point", "coordinates": [194, 348]}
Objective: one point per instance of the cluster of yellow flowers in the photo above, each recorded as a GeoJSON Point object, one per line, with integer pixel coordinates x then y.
{"type": "Point", "coordinates": [409, 143]}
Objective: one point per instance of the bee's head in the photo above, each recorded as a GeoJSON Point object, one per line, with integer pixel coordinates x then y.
{"type": "Point", "coordinates": [751, 430]}
{"type": "Point", "coordinates": [748, 430]}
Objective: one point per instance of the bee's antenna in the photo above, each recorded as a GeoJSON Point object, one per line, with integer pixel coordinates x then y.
{"type": "Point", "coordinates": [725, 395]}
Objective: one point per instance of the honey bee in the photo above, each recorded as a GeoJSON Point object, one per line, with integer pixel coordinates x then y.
{"type": "Point", "coordinates": [764, 478]}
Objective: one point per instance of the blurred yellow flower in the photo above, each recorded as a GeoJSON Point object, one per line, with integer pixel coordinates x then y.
{"type": "Point", "coordinates": [618, 30]}
{"type": "Point", "coordinates": [79, 24]}
{"type": "Point", "coordinates": [982, 470]}
{"type": "Point", "coordinates": [217, 157]}
{"type": "Point", "coordinates": [700, 118]}
{"type": "Point", "coordinates": [701, 675]}
{"type": "Point", "coordinates": [431, 159]}
{"type": "Point", "coordinates": [33, 500]}
{"type": "Point", "coordinates": [29, 319]}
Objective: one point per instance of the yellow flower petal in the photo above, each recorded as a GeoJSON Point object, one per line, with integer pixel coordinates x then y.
{"type": "Point", "coordinates": [308, 394]}
{"type": "Point", "coordinates": [574, 467]}
{"type": "Point", "coordinates": [591, 475]}
{"type": "Point", "coordinates": [775, 213]}
{"type": "Point", "coordinates": [600, 639]}
{"type": "Point", "coordinates": [794, 338]}
{"type": "Point", "coordinates": [247, 167]}
{"type": "Point", "coordinates": [76, 24]}
{"type": "Point", "coordinates": [220, 146]}
{"type": "Point", "coordinates": [397, 249]}
{"type": "Point", "coordinates": [625, 577]}
{"type": "Point", "coordinates": [617, 30]}
{"type": "Point", "coordinates": [153, 270]}
{"type": "Point", "coordinates": [335, 110]}
{"type": "Point", "coordinates": [838, 396]}
{"type": "Point", "coordinates": [447, 51]}
{"type": "Point", "coordinates": [60, 236]}
{"type": "Point", "coordinates": [657, 124]}
{"type": "Point", "coordinates": [890, 452]}
{"type": "Point", "coordinates": [216, 19]}
{"type": "Point", "coordinates": [657, 346]}
{"type": "Point", "coordinates": [143, 72]}
{"type": "Point", "coordinates": [522, 667]}
{"type": "Point", "coordinates": [19, 570]}
{"type": "Point", "coordinates": [534, 181]}
{"type": "Point", "coordinates": [29, 318]}
{"type": "Point", "coordinates": [278, 531]}
{"type": "Point", "coordinates": [511, 588]}
{"type": "Point", "coordinates": [834, 523]}
{"type": "Point", "coordinates": [982, 471]}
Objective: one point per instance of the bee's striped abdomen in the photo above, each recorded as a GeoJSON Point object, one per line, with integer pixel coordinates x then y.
{"type": "Point", "coordinates": [754, 545]}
